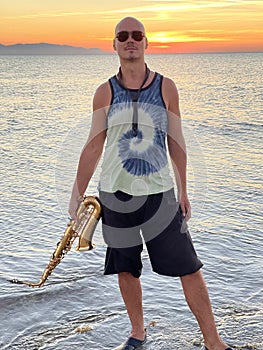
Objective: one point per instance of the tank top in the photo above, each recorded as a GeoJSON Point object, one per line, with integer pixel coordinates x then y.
{"type": "Point", "coordinates": [136, 165]}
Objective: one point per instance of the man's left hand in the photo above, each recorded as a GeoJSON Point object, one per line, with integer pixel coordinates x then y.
{"type": "Point", "coordinates": [185, 205]}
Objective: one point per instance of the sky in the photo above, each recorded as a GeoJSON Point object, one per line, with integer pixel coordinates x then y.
{"type": "Point", "coordinates": [171, 26]}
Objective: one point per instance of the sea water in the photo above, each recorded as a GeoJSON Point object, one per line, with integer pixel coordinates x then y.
{"type": "Point", "coordinates": [45, 114]}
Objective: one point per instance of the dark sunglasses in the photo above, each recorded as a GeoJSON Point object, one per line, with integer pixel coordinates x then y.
{"type": "Point", "coordinates": [137, 35]}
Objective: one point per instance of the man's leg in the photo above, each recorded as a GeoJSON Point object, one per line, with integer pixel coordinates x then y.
{"type": "Point", "coordinates": [197, 297]}
{"type": "Point", "coordinates": [131, 291]}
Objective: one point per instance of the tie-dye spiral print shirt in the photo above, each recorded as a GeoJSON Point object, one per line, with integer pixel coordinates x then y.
{"type": "Point", "coordinates": [137, 165]}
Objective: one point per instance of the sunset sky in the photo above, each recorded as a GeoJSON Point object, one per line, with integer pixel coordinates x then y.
{"type": "Point", "coordinates": [172, 26]}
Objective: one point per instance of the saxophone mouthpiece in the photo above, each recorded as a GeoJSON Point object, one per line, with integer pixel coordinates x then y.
{"type": "Point", "coordinates": [26, 283]}
{"type": "Point", "coordinates": [14, 280]}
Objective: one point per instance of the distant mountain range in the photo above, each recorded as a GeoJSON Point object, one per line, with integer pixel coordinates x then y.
{"type": "Point", "coordinates": [47, 49]}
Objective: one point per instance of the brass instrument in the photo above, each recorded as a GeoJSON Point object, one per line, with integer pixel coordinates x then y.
{"type": "Point", "coordinates": [88, 215]}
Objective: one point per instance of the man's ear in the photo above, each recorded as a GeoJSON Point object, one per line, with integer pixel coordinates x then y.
{"type": "Point", "coordinates": [146, 43]}
{"type": "Point", "coordinates": [114, 45]}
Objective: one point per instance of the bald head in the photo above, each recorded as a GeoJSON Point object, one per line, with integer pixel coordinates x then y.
{"type": "Point", "coordinates": [129, 22]}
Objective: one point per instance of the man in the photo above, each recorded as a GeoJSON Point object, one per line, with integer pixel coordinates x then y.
{"type": "Point", "coordinates": [136, 110]}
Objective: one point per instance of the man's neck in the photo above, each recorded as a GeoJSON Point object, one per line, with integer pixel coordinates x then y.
{"type": "Point", "coordinates": [133, 73]}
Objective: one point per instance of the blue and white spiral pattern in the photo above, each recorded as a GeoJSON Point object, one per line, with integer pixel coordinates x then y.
{"type": "Point", "coordinates": [141, 156]}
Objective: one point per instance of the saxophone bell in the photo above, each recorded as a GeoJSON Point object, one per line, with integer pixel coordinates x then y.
{"type": "Point", "coordinates": [88, 215]}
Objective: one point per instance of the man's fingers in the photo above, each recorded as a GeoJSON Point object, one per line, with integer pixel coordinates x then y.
{"type": "Point", "coordinates": [186, 211]}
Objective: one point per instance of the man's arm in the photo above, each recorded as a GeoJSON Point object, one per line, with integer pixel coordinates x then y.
{"type": "Point", "coordinates": [176, 143]}
{"type": "Point", "coordinates": [93, 148]}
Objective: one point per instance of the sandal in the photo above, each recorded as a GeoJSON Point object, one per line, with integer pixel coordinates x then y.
{"type": "Point", "coordinates": [132, 344]}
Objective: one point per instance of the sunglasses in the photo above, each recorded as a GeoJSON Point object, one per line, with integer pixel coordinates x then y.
{"type": "Point", "coordinates": [137, 35]}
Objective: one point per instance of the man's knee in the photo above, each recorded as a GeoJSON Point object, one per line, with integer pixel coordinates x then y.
{"type": "Point", "coordinates": [191, 276]}
{"type": "Point", "coordinates": [127, 276]}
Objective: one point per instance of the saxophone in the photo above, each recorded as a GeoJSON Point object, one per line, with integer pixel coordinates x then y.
{"type": "Point", "coordinates": [88, 215]}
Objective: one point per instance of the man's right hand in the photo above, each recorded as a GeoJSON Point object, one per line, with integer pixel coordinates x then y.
{"type": "Point", "coordinates": [73, 207]}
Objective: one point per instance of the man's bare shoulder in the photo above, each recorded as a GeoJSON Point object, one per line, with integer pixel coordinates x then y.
{"type": "Point", "coordinates": [169, 85]}
{"type": "Point", "coordinates": [170, 95]}
{"type": "Point", "coordinates": [102, 96]}
{"type": "Point", "coordinates": [103, 88]}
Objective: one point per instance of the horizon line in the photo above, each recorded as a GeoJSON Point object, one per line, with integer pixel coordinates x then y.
{"type": "Point", "coordinates": [112, 52]}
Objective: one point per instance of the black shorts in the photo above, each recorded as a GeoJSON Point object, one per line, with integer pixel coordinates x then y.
{"type": "Point", "coordinates": [157, 220]}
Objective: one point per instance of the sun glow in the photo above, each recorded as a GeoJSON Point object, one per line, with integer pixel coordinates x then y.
{"type": "Point", "coordinates": [175, 37]}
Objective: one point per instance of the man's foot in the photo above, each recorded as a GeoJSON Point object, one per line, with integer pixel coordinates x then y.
{"type": "Point", "coordinates": [132, 344]}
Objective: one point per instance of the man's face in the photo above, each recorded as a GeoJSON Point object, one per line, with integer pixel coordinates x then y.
{"type": "Point", "coordinates": [133, 46]}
